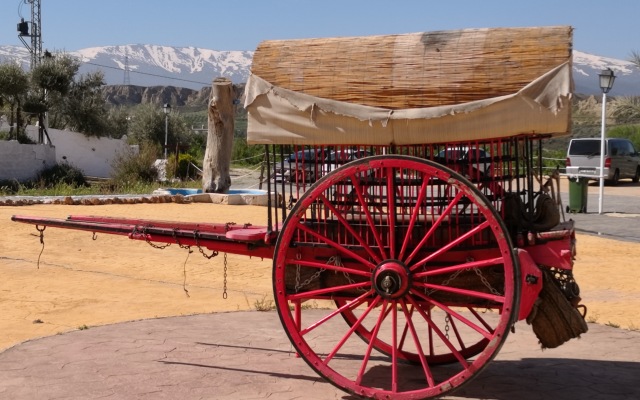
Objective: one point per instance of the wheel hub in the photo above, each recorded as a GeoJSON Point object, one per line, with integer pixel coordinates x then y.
{"type": "Point", "coordinates": [391, 279]}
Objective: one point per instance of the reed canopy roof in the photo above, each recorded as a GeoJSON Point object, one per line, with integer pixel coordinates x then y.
{"type": "Point", "coordinates": [415, 88]}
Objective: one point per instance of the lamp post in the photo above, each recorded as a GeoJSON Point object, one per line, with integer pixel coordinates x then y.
{"type": "Point", "coordinates": [166, 108]}
{"type": "Point", "coordinates": [606, 83]}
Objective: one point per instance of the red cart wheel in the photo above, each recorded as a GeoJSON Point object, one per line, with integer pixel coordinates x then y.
{"type": "Point", "coordinates": [422, 268]}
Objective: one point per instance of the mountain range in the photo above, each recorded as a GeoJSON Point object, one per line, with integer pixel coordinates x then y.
{"type": "Point", "coordinates": [195, 68]}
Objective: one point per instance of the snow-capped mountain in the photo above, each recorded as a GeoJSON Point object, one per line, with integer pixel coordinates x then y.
{"type": "Point", "coordinates": [151, 65]}
{"type": "Point", "coordinates": [194, 68]}
{"type": "Point", "coordinates": [586, 68]}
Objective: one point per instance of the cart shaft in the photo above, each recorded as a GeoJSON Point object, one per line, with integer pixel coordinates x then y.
{"type": "Point", "coordinates": [244, 239]}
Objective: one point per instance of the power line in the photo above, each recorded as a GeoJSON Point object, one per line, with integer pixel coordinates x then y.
{"type": "Point", "coordinates": [148, 73]}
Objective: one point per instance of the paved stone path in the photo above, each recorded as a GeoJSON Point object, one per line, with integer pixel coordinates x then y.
{"type": "Point", "coordinates": [247, 355]}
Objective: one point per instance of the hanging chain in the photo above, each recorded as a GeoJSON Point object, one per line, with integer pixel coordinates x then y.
{"type": "Point", "coordinates": [224, 282]}
{"type": "Point", "coordinates": [184, 265]}
{"type": "Point", "coordinates": [146, 238]}
{"type": "Point", "coordinates": [207, 256]}
{"type": "Point", "coordinates": [311, 278]}
{"type": "Point", "coordinates": [486, 282]}
{"type": "Point", "coordinates": [298, 256]}
{"type": "Point", "coordinates": [182, 246]}
{"type": "Point", "coordinates": [338, 262]}
{"type": "Point", "coordinates": [446, 326]}
{"type": "Point", "coordinates": [448, 280]}
{"type": "Point", "coordinates": [41, 230]}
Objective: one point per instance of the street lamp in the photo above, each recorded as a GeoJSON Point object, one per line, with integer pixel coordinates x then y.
{"type": "Point", "coordinates": [606, 83]}
{"type": "Point", "coordinates": [166, 108]}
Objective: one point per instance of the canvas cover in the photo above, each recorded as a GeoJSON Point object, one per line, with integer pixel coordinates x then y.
{"type": "Point", "coordinates": [444, 86]}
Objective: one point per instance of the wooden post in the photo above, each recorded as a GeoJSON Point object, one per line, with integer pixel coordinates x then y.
{"type": "Point", "coordinates": [217, 157]}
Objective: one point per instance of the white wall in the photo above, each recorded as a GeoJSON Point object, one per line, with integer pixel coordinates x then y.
{"type": "Point", "coordinates": [23, 161]}
{"type": "Point", "coordinates": [92, 155]}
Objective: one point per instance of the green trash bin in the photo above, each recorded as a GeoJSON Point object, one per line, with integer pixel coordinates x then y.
{"type": "Point", "coordinates": [578, 190]}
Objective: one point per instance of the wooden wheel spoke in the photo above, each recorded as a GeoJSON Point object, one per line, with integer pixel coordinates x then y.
{"type": "Point", "coordinates": [463, 292]}
{"type": "Point", "coordinates": [414, 216]}
{"type": "Point", "coordinates": [456, 332]}
{"type": "Point", "coordinates": [335, 245]}
{"type": "Point", "coordinates": [451, 269]}
{"type": "Point", "coordinates": [416, 340]}
{"type": "Point", "coordinates": [394, 351]}
{"type": "Point", "coordinates": [441, 335]}
{"type": "Point", "coordinates": [349, 228]}
{"type": "Point", "coordinates": [330, 267]}
{"type": "Point", "coordinates": [405, 330]}
{"type": "Point", "coordinates": [435, 225]}
{"type": "Point", "coordinates": [461, 318]}
{"type": "Point", "coordinates": [347, 306]}
{"type": "Point", "coordinates": [391, 211]}
{"type": "Point", "coordinates": [482, 320]}
{"type": "Point", "coordinates": [311, 294]}
{"type": "Point", "coordinates": [350, 332]}
{"type": "Point", "coordinates": [450, 245]}
{"type": "Point", "coordinates": [374, 335]}
{"type": "Point", "coordinates": [370, 221]}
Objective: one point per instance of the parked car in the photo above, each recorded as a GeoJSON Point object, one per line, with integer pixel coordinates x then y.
{"type": "Point", "coordinates": [302, 166]}
{"type": "Point", "coordinates": [337, 158]}
{"type": "Point", "coordinates": [470, 162]}
{"type": "Point", "coordinates": [621, 161]}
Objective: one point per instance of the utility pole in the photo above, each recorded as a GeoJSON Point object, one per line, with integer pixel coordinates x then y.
{"type": "Point", "coordinates": [36, 52]}
{"type": "Point", "coordinates": [127, 78]}
{"type": "Point", "coordinates": [35, 47]}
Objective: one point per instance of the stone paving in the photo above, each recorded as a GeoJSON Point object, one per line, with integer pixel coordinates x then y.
{"type": "Point", "coordinates": [247, 355]}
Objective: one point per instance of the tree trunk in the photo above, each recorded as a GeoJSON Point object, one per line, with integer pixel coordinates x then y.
{"type": "Point", "coordinates": [217, 157]}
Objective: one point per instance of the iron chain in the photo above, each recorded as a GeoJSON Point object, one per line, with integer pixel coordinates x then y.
{"type": "Point", "coordinates": [224, 282]}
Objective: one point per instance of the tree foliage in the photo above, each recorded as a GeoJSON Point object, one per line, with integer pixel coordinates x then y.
{"type": "Point", "coordinates": [631, 132]}
{"type": "Point", "coordinates": [147, 124]}
{"type": "Point", "coordinates": [83, 108]}
{"type": "Point", "coordinates": [55, 74]}
{"type": "Point", "coordinates": [132, 167]}
{"type": "Point", "coordinates": [14, 83]}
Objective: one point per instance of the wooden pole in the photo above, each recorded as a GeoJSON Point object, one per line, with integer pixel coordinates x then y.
{"type": "Point", "coordinates": [217, 157]}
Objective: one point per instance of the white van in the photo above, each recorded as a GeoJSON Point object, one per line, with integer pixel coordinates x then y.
{"type": "Point", "coordinates": [622, 161]}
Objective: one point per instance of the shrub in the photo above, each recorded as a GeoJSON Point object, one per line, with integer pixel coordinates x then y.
{"type": "Point", "coordinates": [132, 167]}
{"type": "Point", "coordinates": [184, 169]}
{"type": "Point", "coordinates": [631, 132]}
{"type": "Point", "coordinates": [60, 174]}
{"type": "Point", "coordinates": [244, 154]}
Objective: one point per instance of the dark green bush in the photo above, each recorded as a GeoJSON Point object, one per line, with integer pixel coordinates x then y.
{"type": "Point", "coordinates": [60, 174]}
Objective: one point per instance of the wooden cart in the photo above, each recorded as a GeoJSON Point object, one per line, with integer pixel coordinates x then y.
{"type": "Point", "coordinates": [421, 230]}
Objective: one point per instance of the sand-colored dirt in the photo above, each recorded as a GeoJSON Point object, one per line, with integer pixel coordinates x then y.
{"type": "Point", "coordinates": [82, 282]}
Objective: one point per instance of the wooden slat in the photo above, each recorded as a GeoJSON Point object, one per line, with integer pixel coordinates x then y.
{"type": "Point", "coordinates": [415, 70]}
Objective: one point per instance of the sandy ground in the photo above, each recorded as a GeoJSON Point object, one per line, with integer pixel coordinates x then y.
{"type": "Point", "coordinates": [82, 282]}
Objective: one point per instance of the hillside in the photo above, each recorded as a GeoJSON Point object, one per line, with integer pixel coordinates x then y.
{"type": "Point", "coordinates": [195, 68]}
{"type": "Point", "coordinates": [131, 95]}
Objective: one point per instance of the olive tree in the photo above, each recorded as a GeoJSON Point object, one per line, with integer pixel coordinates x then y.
{"type": "Point", "coordinates": [147, 125]}
{"type": "Point", "coordinates": [14, 83]}
{"type": "Point", "coordinates": [72, 101]}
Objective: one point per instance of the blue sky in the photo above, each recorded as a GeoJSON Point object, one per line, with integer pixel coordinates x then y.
{"type": "Point", "coordinates": [604, 28]}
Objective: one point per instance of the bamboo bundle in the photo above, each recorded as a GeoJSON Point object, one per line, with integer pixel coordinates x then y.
{"type": "Point", "coordinates": [415, 70]}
